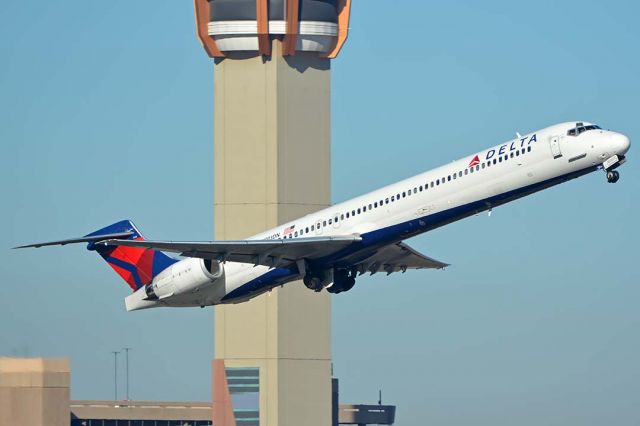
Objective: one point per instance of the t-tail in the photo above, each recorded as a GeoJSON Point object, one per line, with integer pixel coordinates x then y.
{"type": "Point", "coordinates": [137, 266]}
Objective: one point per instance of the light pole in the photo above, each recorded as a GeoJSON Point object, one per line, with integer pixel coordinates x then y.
{"type": "Point", "coordinates": [126, 353]}
{"type": "Point", "coordinates": [115, 375]}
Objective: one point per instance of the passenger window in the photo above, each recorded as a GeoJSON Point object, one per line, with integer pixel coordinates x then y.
{"type": "Point", "coordinates": [393, 198]}
{"type": "Point", "coordinates": [347, 215]}
{"type": "Point", "coordinates": [296, 234]}
{"type": "Point", "coordinates": [466, 171]}
{"type": "Point", "coordinates": [364, 209]}
{"type": "Point", "coordinates": [454, 177]}
{"type": "Point", "coordinates": [404, 194]}
{"type": "Point", "coordinates": [449, 178]}
{"type": "Point", "coordinates": [517, 153]}
{"type": "Point", "coordinates": [358, 211]}
{"type": "Point", "coordinates": [431, 184]}
{"type": "Point", "coordinates": [471, 170]}
{"type": "Point", "coordinates": [330, 221]}
{"type": "Point", "coordinates": [500, 159]}
{"type": "Point", "coordinates": [369, 206]}
{"type": "Point", "coordinates": [375, 205]}
{"type": "Point", "coordinates": [306, 230]}
{"type": "Point", "coordinates": [528, 149]}
{"type": "Point", "coordinates": [495, 161]}
{"type": "Point", "coordinates": [511, 155]}
{"type": "Point", "coordinates": [420, 188]}
{"type": "Point", "coordinates": [483, 165]}
{"type": "Point", "coordinates": [312, 227]}
{"type": "Point", "coordinates": [386, 201]}
{"type": "Point", "coordinates": [342, 217]}
{"type": "Point", "coordinates": [437, 181]}
{"type": "Point", "coordinates": [324, 223]}
{"type": "Point", "coordinates": [415, 190]}
{"type": "Point", "coordinates": [477, 167]}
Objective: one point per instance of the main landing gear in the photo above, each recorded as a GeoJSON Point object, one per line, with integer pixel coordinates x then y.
{"type": "Point", "coordinates": [334, 280]}
{"type": "Point", "coordinates": [613, 176]}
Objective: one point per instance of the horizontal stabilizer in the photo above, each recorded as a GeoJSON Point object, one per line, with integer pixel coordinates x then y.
{"type": "Point", "coordinates": [87, 239]}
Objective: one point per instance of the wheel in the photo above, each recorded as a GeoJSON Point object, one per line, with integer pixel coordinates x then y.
{"type": "Point", "coordinates": [613, 176]}
{"type": "Point", "coordinates": [312, 283]}
{"type": "Point", "coordinates": [349, 284]}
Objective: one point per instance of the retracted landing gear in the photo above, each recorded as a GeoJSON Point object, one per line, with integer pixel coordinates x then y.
{"type": "Point", "coordinates": [613, 176]}
{"type": "Point", "coordinates": [343, 280]}
{"type": "Point", "coordinates": [313, 282]}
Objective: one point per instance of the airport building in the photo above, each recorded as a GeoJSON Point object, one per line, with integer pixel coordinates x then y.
{"type": "Point", "coordinates": [35, 392]}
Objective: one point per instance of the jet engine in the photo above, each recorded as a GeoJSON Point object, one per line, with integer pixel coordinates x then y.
{"type": "Point", "coordinates": [187, 276]}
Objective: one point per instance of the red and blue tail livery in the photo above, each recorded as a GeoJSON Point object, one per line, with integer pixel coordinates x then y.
{"type": "Point", "coordinates": [137, 266]}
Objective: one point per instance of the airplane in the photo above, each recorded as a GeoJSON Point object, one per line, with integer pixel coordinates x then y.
{"type": "Point", "coordinates": [329, 248]}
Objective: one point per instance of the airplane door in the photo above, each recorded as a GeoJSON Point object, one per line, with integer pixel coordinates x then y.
{"type": "Point", "coordinates": [555, 146]}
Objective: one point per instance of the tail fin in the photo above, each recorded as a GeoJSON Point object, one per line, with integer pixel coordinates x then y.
{"type": "Point", "coordinates": [137, 266]}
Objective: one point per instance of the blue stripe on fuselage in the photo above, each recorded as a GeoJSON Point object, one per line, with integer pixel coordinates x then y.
{"type": "Point", "coordinates": [373, 240]}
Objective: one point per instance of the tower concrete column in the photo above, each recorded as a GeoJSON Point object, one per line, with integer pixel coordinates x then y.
{"type": "Point", "coordinates": [272, 78]}
{"type": "Point", "coordinates": [271, 165]}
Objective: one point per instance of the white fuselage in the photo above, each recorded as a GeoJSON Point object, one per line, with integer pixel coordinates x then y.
{"type": "Point", "coordinates": [435, 198]}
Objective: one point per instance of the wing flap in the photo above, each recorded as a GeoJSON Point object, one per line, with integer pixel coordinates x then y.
{"type": "Point", "coordinates": [398, 257]}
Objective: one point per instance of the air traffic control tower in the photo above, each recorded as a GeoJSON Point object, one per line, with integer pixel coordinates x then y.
{"type": "Point", "coordinates": [272, 75]}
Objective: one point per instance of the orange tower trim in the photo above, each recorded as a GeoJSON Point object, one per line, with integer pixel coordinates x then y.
{"type": "Point", "coordinates": [201, 8]}
{"type": "Point", "coordinates": [344, 10]}
{"type": "Point", "coordinates": [262, 16]}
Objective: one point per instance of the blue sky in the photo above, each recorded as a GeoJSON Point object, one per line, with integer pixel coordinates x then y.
{"type": "Point", "coordinates": [106, 113]}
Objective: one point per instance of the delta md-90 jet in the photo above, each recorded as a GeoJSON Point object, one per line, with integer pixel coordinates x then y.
{"type": "Point", "coordinates": [328, 249]}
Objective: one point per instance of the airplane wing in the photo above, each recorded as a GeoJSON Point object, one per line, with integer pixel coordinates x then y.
{"type": "Point", "coordinates": [272, 253]}
{"type": "Point", "coordinates": [397, 257]}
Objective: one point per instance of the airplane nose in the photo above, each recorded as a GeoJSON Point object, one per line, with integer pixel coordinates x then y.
{"type": "Point", "coordinates": [622, 143]}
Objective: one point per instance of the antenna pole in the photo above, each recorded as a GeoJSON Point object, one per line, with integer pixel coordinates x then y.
{"type": "Point", "coordinates": [115, 375]}
{"type": "Point", "coordinates": [126, 352]}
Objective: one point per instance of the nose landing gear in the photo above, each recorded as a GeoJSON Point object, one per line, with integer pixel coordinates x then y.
{"type": "Point", "coordinates": [613, 176]}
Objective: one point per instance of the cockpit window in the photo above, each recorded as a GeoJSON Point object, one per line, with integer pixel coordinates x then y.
{"type": "Point", "coordinates": [581, 129]}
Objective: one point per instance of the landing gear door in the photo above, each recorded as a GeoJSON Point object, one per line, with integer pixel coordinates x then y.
{"type": "Point", "coordinates": [554, 142]}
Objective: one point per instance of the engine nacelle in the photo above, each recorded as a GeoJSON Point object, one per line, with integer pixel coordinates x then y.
{"type": "Point", "coordinates": [187, 276]}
